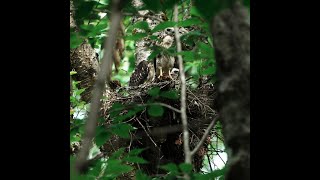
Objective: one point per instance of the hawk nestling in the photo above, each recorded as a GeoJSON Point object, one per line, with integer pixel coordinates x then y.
{"type": "Point", "coordinates": [164, 65]}
{"type": "Point", "coordinates": [143, 73]}
{"type": "Point", "coordinates": [165, 62]}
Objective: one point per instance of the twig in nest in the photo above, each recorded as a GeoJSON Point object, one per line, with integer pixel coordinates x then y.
{"type": "Point", "coordinates": [146, 132]}
{"type": "Point", "coordinates": [167, 106]}
{"type": "Point", "coordinates": [204, 136]}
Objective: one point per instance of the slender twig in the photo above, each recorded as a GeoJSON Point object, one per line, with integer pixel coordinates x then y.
{"type": "Point", "coordinates": [167, 106]}
{"type": "Point", "coordinates": [155, 144]}
{"type": "Point", "coordinates": [103, 76]}
{"type": "Point", "coordinates": [204, 136]}
{"type": "Point", "coordinates": [209, 162]}
{"type": "Point", "coordinates": [186, 147]}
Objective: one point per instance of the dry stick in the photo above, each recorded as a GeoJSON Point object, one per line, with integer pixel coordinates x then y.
{"type": "Point", "coordinates": [167, 106]}
{"type": "Point", "coordinates": [204, 136]}
{"type": "Point", "coordinates": [103, 76]}
{"type": "Point", "coordinates": [183, 94]}
{"type": "Point", "coordinates": [155, 144]}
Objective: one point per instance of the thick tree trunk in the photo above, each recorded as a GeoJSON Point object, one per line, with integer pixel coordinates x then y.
{"type": "Point", "coordinates": [231, 34]}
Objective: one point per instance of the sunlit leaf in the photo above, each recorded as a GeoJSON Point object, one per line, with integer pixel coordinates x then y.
{"type": "Point", "coordinates": [72, 73]}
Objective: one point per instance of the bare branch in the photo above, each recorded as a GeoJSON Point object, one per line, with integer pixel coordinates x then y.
{"type": "Point", "coordinates": [204, 136]}
{"type": "Point", "coordinates": [103, 76]}
{"type": "Point", "coordinates": [186, 147]}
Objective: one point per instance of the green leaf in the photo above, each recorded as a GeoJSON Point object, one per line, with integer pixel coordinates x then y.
{"type": "Point", "coordinates": [115, 109]}
{"type": "Point", "coordinates": [102, 137]}
{"type": "Point", "coordinates": [74, 131]}
{"type": "Point", "coordinates": [118, 153]}
{"type": "Point", "coordinates": [72, 73]}
{"type": "Point", "coordinates": [122, 129]}
{"type": "Point", "coordinates": [209, 71]}
{"type": "Point", "coordinates": [188, 55]}
{"type": "Point", "coordinates": [96, 168]}
{"type": "Point", "coordinates": [140, 25]}
{"type": "Point", "coordinates": [187, 168]}
{"type": "Point", "coordinates": [246, 3]}
{"type": "Point", "coordinates": [171, 167]}
{"type": "Point", "coordinates": [194, 12]}
{"type": "Point", "coordinates": [136, 37]}
{"type": "Point", "coordinates": [209, 176]}
{"type": "Point", "coordinates": [135, 159]}
{"type": "Point", "coordinates": [154, 53]}
{"type": "Point", "coordinates": [168, 4]}
{"type": "Point", "coordinates": [100, 129]}
{"type": "Point", "coordinates": [209, 8]}
{"type": "Point", "coordinates": [128, 115]}
{"type": "Point", "coordinates": [115, 167]}
{"type": "Point", "coordinates": [163, 25]}
{"type": "Point", "coordinates": [205, 49]}
{"type": "Point", "coordinates": [154, 91]}
{"type": "Point", "coordinates": [75, 40]}
{"type": "Point", "coordinates": [135, 152]}
{"type": "Point", "coordinates": [80, 91]}
{"type": "Point", "coordinates": [153, 37]}
{"type": "Point", "coordinates": [171, 94]}
{"type": "Point", "coordinates": [190, 22]}
{"type": "Point", "coordinates": [191, 34]}
{"type": "Point", "coordinates": [153, 5]}
{"type": "Point", "coordinates": [141, 176]}
{"type": "Point", "coordinates": [155, 110]}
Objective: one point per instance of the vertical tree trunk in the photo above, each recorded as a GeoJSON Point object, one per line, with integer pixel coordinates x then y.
{"type": "Point", "coordinates": [231, 34]}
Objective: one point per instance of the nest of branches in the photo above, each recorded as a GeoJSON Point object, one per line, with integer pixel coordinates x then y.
{"type": "Point", "coordinates": [160, 136]}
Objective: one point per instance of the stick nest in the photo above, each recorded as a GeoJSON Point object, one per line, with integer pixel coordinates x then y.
{"type": "Point", "coordinates": [161, 136]}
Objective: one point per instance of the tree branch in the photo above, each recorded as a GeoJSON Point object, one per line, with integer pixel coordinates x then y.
{"type": "Point", "coordinates": [103, 76]}
{"type": "Point", "coordinates": [204, 136]}
{"type": "Point", "coordinates": [183, 94]}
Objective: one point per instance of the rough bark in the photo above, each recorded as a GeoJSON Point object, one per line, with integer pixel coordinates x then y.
{"type": "Point", "coordinates": [231, 34]}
